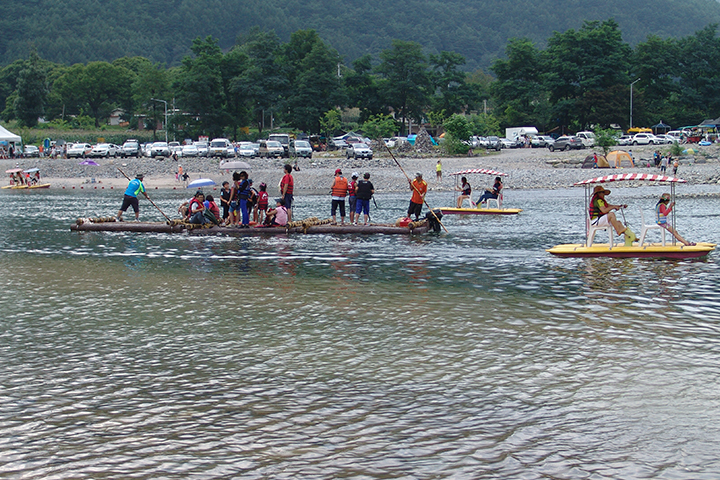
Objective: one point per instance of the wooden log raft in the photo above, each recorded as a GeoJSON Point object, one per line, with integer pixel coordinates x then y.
{"type": "Point", "coordinates": [308, 226]}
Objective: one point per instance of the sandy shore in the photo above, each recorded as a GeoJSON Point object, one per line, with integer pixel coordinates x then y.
{"type": "Point", "coordinates": [527, 169]}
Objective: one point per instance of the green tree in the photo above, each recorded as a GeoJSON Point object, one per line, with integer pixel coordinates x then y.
{"type": "Point", "coordinates": [362, 88]}
{"type": "Point", "coordinates": [96, 88]}
{"type": "Point", "coordinates": [581, 63]}
{"type": "Point", "coordinates": [380, 126]}
{"type": "Point", "coordinates": [459, 127]}
{"type": "Point", "coordinates": [151, 82]}
{"type": "Point", "coordinates": [312, 78]}
{"type": "Point", "coordinates": [199, 88]}
{"type": "Point", "coordinates": [699, 71]}
{"type": "Point", "coordinates": [264, 82]}
{"type": "Point", "coordinates": [330, 122]}
{"type": "Point", "coordinates": [32, 91]}
{"type": "Point", "coordinates": [451, 90]}
{"type": "Point", "coordinates": [519, 94]}
{"type": "Point", "coordinates": [605, 139]}
{"type": "Point", "coordinates": [404, 85]}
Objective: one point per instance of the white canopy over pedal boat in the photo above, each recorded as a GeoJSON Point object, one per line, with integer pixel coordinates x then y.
{"type": "Point", "coordinates": [498, 210]}
{"type": "Point", "coordinates": [667, 248]}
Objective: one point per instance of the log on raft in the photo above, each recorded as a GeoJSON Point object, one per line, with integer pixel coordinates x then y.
{"type": "Point", "coordinates": [315, 229]}
{"type": "Point", "coordinates": [147, 227]}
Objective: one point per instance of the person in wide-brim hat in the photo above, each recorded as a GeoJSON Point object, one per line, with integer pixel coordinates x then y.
{"type": "Point", "coordinates": [601, 214]}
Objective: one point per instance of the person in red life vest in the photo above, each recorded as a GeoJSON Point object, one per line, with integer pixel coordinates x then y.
{"type": "Point", "coordinates": [278, 216]}
{"type": "Point", "coordinates": [212, 211]}
{"type": "Point", "coordinates": [287, 186]}
{"type": "Point", "coordinates": [352, 199]}
{"type": "Point", "coordinates": [338, 191]}
{"type": "Point", "coordinates": [601, 214]}
{"type": "Point", "coordinates": [662, 210]}
{"type": "Point", "coordinates": [419, 189]}
{"type": "Point", "coordinates": [262, 204]}
{"type": "Point", "coordinates": [196, 209]}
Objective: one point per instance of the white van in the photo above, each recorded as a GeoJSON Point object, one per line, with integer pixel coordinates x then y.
{"type": "Point", "coordinates": [587, 137]}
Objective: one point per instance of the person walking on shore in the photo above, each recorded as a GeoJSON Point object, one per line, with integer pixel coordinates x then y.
{"type": "Point", "coordinates": [130, 198]}
{"type": "Point", "coordinates": [438, 171]}
{"type": "Point", "coordinates": [287, 186]}
{"type": "Point", "coordinates": [338, 190]}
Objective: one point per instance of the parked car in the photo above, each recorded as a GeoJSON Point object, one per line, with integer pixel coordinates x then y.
{"type": "Point", "coordinates": [175, 147]}
{"type": "Point", "coordinates": [284, 140]}
{"type": "Point", "coordinates": [246, 149]}
{"type": "Point", "coordinates": [131, 148]}
{"type": "Point", "coordinates": [221, 147]}
{"type": "Point", "coordinates": [104, 150]}
{"type": "Point", "coordinates": [31, 151]}
{"type": "Point", "coordinates": [493, 143]}
{"type": "Point", "coordinates": [358, 150]}
{"type": "Point", "coordinates": [645, 139]}
{"type": "Point", "coordinates": [587, 137]}
{"type": "Point", "coordinates": [507, 143]}
{"type": "Point", "coordinates": [625, 140]}
{"type": "Point", "coordinates": [203, 148]}
{"type": "Point", "coordinates": [667, 139]}
{"type": "Point", "coordinates": [271, 148]}
{"type": "Point", "coordinates": [566, 143]}
{"type": "Point", "coordinates": [300, 148]}
{"type": "Point", "coordinates": [676, 135]}
{"type": "Point", "coordinates": [189, 151]}
{"type": "Point", "coordinates": [79, 150]}
{"type": "Point", "coordinates": [256, 147]}
{"type": "Point", "coordinates": [159, 149]}
{"type": "Point", "coordinates": [336, 144]}
{"type": "Point", "coordinates": [541, 141]}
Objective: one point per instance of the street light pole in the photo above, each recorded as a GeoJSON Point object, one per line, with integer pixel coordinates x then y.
{"type": "Point", "coordinates": [166, 135]}
{"type": "Point", "coordinates": [631, 95]}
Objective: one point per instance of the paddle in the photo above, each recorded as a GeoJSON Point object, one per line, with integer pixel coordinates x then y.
{"type": "Point", "coordinates": [410, 181]}
{"type": "Point", "coordinates": [148, 197]}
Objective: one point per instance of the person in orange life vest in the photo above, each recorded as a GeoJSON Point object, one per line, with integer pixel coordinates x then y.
{"type": "Point", "coordinates": [338, 191]}
{"type": "Point", "coordinates": [352, 199]}
{"type": "Point", "coordinates": [601, 214]}
{"type": "Point", "coordinates": [419, 189]}
{"type": "Point", "coordinates": [662, 210]}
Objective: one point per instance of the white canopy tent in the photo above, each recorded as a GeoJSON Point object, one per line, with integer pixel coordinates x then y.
{"type": "Point", "coordinates": [10, 138]}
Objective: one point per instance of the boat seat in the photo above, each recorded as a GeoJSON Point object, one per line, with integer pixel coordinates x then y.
{"type": "Point", "coordinates": [646, 228]}
{"type": "Point", "coordinates": [498, 201]}
{"type": "Point", "coordinates": [593, 229]}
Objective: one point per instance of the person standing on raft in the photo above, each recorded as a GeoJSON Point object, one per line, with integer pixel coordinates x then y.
{"type": "Point", "coordinates": [419, 188]}
{"type": "Point", "coordinates": [130, 199]}
{"type": "Point", "coordinates": [601, 214]}
{"type": "Point", "coordinates": [338, 190]}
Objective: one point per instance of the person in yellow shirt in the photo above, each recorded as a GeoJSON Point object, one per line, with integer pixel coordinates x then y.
{"type": "Point", "coordinates": [419, 189]}
{"type": "Point", "coordinates": [438, 171]}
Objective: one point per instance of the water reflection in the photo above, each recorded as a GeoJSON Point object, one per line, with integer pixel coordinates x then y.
{"type": "Point", "coordinates": [469, 355]}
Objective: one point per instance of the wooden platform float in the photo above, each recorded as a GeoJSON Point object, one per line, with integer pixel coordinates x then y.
{"type": "Point", "coordinates": [84, 225]}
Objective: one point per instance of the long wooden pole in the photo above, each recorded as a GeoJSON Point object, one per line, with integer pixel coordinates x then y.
{"type": "Point", "coordinates": [148, 197]}
{"type": "Point", "coordinates": [413, 186]}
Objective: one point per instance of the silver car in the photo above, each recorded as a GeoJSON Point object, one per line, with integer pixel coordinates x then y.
{"type": "Point", "coordinates": [300, 148]}
{"type": "Point", "coordinates": [358, 150]}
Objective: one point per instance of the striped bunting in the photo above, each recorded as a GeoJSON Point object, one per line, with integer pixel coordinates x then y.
{"type": "Point", "coordinates": [481, 170]}
{"type": "Point", "coordinates": [644, 177]}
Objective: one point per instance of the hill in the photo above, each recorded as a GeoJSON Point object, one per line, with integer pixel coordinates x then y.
{"type": "Point", "coordinates": [78, 31]}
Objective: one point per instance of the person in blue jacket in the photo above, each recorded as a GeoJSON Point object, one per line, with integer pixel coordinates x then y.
{"type": "Point", "coordinates": [130, 199]}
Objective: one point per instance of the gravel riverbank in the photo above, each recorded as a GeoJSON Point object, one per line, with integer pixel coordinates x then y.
{"type": "Point", "coordinates": [527, 169]}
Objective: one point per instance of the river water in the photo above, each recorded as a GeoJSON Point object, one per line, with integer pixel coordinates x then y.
{"type": "Point", "coordinates": [473, 354]}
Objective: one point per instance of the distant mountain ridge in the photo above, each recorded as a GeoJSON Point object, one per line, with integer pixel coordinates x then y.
{"type": "Point", "coordinates": [78, 31]}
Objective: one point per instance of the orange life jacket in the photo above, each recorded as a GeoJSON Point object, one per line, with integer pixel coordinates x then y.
{"type": "Point", "coordinates": [340, 187]}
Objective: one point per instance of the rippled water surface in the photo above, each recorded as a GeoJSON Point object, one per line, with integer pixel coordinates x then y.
{"type": "Point", "coordinates": [473, 354]}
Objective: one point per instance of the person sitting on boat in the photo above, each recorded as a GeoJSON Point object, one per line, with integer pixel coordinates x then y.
{"type": "Point", "coordinates": [466, 192]}
{"type": "Point", "coordinates": [196, 209]}
{"type": "Point", "coordinates": [601, 214]}
{"type": "Point", "coordinates": [278, 216]}
{"type": "Point", "coordinates": [494, 193]}
{"type": "Point", "coordinates": [662, 209]}
{"type": "Point", "coordinates": [212, 211]}
{"type": "Point", "coordinates": [36, 178]}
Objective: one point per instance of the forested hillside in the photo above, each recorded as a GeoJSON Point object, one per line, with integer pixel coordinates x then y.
{"type": "Point", "coordinates": [79, 31]}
